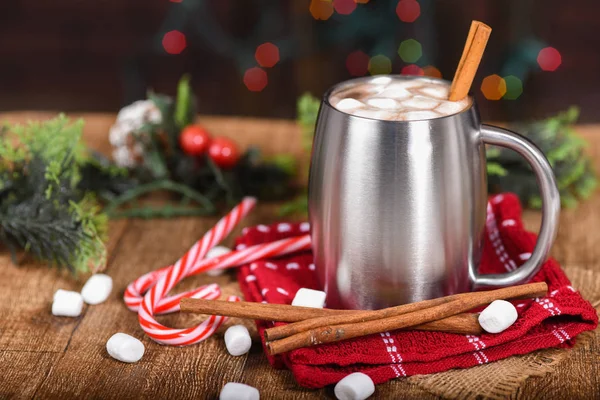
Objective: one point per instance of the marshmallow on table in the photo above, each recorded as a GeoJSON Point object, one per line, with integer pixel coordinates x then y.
{"type": "Point", "coordinates": [238, 391]}
{"type": "Point", "coordinates": [125, 348]}
{"type": "Point", "coordinates": [216, 252]}
{"type": "Point", "coordinates": [67, 303]}
{"type": "Point", "coordinates": [309, 298]}
{"type": "Point", "coordinates": [237, 340]}
{"type": "Point", "coordinates": [97, 289]}
{"type": "Point", "coordinates": [498, 316]}
{"type": "Point", "coordinates": [356, 386]}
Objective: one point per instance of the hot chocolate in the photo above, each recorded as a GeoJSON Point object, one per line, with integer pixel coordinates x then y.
{"type": "Point", "coordinates": [397, 98]}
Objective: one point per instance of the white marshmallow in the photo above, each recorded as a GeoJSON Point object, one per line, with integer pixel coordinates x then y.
{"type": "Point", "coordinates": [395, 91]}
{"type": "Point", "coordinates": [421, 103]}
{"type": "Point", "coordinates": [97, 289]}
{"type": "Point", "coordinates": [419, 115]}
{"type": "Point", "coordinates": [437, 92]}
{"type": "Point", "coordinates": [309, 298]}
{"type": "Point", "coordinates": [450, 107]}
{"type": "Point", "coordinates": [383, 103]}
{"type": "Point", "coordinates": [237, 340]}
{"type": "Point", "coordinates": [238, 391]}
{"type": "Point", "coordinates": [67, 303]}
{"type": "Point", "coordinates": [356, 386]}
{"type": "Point", "coordinates": [125, 348]}
{"type": "Point", "coordinates": [498, 316]}
{"type": "Point", "coordinates": [381, 80]}
{"type": "Point", "coordinates": [216, 252]}
{"type": "Point", "coordinates": [348, 104]}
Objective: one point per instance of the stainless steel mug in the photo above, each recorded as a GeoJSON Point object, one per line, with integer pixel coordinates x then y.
{"type": "Point", "coordinates": [398, 208]}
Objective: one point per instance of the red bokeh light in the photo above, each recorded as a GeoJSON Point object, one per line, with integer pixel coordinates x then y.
{"type": "Point", "coordinates": [174, 42]}
{"type": "Point", "coordinates": [412, 69]}
{"type": "Point", "coordinates": [176, 1]}
{"type": "Point", "coordinates": [549, 59]}
{"type": "Point", "coordinates": [267, 55]}
{"type": "Point", "coordinates": [408, 10]}
{"type": "Point", "coordinates": [255, 79]}
{"type": "Point", "coordinates": [344, 7]}
{"type": "Point", "coordinates": [357, 63]}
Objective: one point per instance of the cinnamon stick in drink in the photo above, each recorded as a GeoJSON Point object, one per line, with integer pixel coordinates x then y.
{"type": "Point", "coordinates": [463, 303]}
{"type": "Point", "coordinates": [470, 59]}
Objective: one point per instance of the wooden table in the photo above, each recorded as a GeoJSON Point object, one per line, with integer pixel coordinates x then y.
{"type": "Point", "coordinates": [42, 356]}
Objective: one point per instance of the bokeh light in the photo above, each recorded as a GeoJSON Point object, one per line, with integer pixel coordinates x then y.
{"type": "Point", "coordinates": [255, 79]}
{"type": "Point", "coordinates": [267, 55]}
{"type": "Point", "coordinates": [174, 42]}
{"type": "Point", "coordinates": [344, 7]}
{"type": "Point", "coordinates": [408, 10]}
{"type": "Point", "coordinates": [176, 1]}
{"type": "Point", "coordinates": [430, 70]}
{"type": "Point", "coordinates": [493, 87]}
{"type": "Point", "coordinates": [549, 59]}
{"type": "Point", "coordinates": [361, 1]}
{"type": "Point", "coordinates": [321, 9]}
{"type": "Point", "coordinates": [357, 63]}
{"type": "Point", "coordinates": [412, 69]}
{"type": "Point", "coordinates": [410, 50]}
{"type": "Point", "coordinates": [380, 64]}
{"type": "Point", "coordinates": [514, 87]}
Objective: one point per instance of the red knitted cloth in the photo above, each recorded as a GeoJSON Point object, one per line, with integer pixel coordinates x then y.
{"type": "Point", "coordinates": [553, 321]}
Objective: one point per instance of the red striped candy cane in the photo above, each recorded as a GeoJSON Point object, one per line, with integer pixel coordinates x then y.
{"type": "Point", "coordinates": [133, 294]}
{"type": "Point", "coordinates": [168, 278]}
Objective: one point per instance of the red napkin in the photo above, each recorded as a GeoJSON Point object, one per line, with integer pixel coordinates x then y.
{"type": "Point", "coordinates": [553, 321]}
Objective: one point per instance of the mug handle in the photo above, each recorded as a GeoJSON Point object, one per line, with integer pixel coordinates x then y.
{"type": "Point", "coordinates": [550, 207]}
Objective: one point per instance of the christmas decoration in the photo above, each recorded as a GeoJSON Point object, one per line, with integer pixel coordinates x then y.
{"type": "Point", "coordinates": [43, 210]}
{"type": "Point", "coordinates": [164, 150]}
{"type": "Point", "coordinates": [565, 150]}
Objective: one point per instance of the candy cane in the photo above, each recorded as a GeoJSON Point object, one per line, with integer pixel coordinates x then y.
{"type": "Point", "coordinates": [169, 277]}
{"type": "Point", "coordinates": [133, 295]}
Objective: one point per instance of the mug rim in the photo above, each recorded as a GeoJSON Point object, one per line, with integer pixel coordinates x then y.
{"type": "Point", "coordinates": [327, 94]}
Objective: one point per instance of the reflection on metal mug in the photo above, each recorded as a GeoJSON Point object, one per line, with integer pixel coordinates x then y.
{"type": "Point", "coordinates": [398, 208]}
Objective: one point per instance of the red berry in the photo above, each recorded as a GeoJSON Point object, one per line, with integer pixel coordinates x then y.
{"type": "Point", "coordinates": [224, 152]}
{"type": "Point", "coordinates": [194, 140]}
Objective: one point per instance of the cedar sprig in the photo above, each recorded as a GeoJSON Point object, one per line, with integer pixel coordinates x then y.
{"type": "Point", "coordinates": [564, 149]}
{"type": "Point", "coordinates": [42, 211]}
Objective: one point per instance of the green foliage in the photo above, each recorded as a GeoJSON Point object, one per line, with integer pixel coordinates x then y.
{"type": "Point", "coordinates": [307, 109]}
{"type": "Point", "coordinates": [565, 151]}
{"type": "Point", "coordinates": [185, 110]}
{"type": "Point", "coordinates": [41, 208]}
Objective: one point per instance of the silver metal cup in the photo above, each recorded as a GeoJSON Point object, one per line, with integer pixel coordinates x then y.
{"type": "Point", "coordinates": [398, 208]}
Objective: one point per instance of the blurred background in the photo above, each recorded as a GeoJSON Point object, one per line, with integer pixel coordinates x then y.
{"type": "Point", "coordinates": [255, 57]}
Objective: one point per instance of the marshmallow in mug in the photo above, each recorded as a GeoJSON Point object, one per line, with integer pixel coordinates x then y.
{"type": "Point", "coordinates": [238, 391]}
{"type": "Point", "coordinates": [356, 386]}
{"type": "Point", "coordinates": [216, 252]}
{"type": "Point", "coordinates": [67, 303]}
{"type": "Point", "coordinates": [498, 316]}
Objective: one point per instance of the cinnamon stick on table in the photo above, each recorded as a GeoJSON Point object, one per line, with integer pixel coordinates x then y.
{"type": "Point", "coordinates": [463, 323]}
{"type": "Point", "coordinates": [464, 302]}
{"type": "Point", "coordinates": [283, 331]}
{"type": "Point", "coordinates": [469, 61]}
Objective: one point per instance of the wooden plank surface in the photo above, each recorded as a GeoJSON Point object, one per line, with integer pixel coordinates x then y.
{"type": "Point", "coordinates": [42, 356]}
